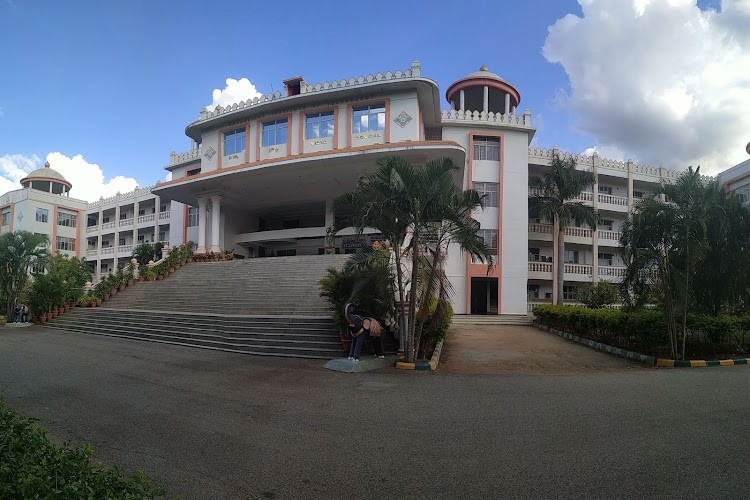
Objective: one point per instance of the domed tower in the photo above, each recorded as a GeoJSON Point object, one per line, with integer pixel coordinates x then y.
{"type": "Point", "coordinates": [48, 180]}
{"type": "Point", "coordinates": [485, 91]}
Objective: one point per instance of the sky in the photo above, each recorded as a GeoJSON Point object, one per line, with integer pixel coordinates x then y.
{"type": "Point", "coordinates": [104, 90]}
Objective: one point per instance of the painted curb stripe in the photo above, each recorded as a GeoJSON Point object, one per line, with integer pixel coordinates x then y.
{"type": "Point", "coordinates": [405, 366]}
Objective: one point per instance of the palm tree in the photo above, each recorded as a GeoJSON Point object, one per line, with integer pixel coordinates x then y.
{"type": "Point", "coordinates": [20, 252]}
{"type": "Point", "coordinates": [551, 203]}
{"type": "Point", "coordinates": [424, 205]}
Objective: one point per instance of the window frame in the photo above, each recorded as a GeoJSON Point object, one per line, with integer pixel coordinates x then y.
{"type": "Point", "coordinates": [486, 148]}
{"type": "Point", "coordinates": [66, 219]}
{"type": "Point", "coordinates": [5, 218]}
{"type": "Point", "coordinates": [481, 188]}
{"type": "Point", "coordinates": [493, 237]}
{"type": "Point", "coordinates": [605, 189]}
{"type": "Point", "coordinates": [570, 292]}
{"type": "Point", "coordinates": [192, 216]}
{"type": "Point", "coordinates": [231, 137]}
{"type": "Point", "coordinates": [44, 213]}
{"type": "Point", "coordinates": [318, 115]}
{"type": "Point", "coordinates": [275, 126]}
{"type": "Point", "coordinates": [64, 241]}
{"type": "Point", "coordinates": [357, 112]}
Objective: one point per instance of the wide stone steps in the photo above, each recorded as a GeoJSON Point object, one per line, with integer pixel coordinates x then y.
{"type": "Point", "coordinates": [499, 319]}
{"type": "Point", "coordinates": [272, 336]}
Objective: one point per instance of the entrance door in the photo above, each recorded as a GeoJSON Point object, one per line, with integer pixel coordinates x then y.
{"type": "Point", "coordinates": [484, 295]}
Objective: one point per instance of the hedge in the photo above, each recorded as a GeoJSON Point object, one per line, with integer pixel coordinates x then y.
{"type": "Point", "coordinates": [645, 331]}
{"type": "Point", "coordinates": [32, 467]}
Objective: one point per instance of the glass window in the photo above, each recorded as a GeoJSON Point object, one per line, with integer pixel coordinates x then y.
{"type": "Point", "coordinates": [234, 142]}
{"type": "Point", "coordinates": [605, 259]}
{"type": "Point", "coordinates": [65, 219]}
{"type": "Point", "coordinates": [638, 194]}
{"type": "Point", "coordinates": [490, 238]}
{"type": "Point", "coordinates": [42, 215]}
{"type": "Point", "coordinates": [489, 191]}
{"type": "Point", "coordinates": [571, 256]}
{"type": "Point", "coordinates": [487, 148]}
{"type": "Point", "coordinates": [123, 215]}
{"type": "Point", "coordinates": [6, 219]}
{"type": "Point", "coordinates": [68, 244]}
{"type": "Point", "coordinates": [163, 207]}
{"type": "Point", "coordinates": [605, 190]}
{"type": "Point", "coordinates": [163, 236]}
{"type": "Point", "coordinates": [368, 118]}
{"type": "Point", "coordinates": [193, 172]}
{"type": "Point", "coordinates": [192, 216]}
{"type": "Point", "coordinates": [275, 132]}
{"type": "Point", "coordinates": [570, 292]}
{"type": "Point", "coordinates": [607, 224]}
{"type": "Point", "coordinates": [318, 125]}
{"type": "Point", "coordinates": [122, 241]}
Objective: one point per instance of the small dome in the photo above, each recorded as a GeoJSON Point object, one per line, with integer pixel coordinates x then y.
{"type": "Point", "coordinates": [473, 85]}
{"type": "Point", "coordinates": [483, 73]}
{"type": "Point", "coordinates": [47, 174]}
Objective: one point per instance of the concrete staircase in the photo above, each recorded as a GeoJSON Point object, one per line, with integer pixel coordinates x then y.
{"type": "Point", "coordinates": [268, 307]}
{"type": "Point", "coordinates": [494, 319]}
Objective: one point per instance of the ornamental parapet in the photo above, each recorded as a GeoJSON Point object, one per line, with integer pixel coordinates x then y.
{"type": "Point", "coordinates": [101, 202]}
{"type": "Point", "coordinates": [485, 117]}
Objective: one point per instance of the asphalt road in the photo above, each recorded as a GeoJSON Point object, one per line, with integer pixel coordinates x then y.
{"type": "Point", "coordinates": [207, 424]}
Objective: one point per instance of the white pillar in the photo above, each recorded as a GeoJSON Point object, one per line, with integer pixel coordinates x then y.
{"type": "Point", "coordinates": [135, 224]}
{"type": "Point", "coordinates": [595, 161]}
{"type": "Point", "coordinates": [486, 100]}
{"type": "Point", "coordinates": [117, 233]}
{"type": "Point", "coordinates": [513, 110]}
{"type": "Point", "coordinates": [215, 221]}
{"type": "Point", "coordinates": [157, 211]}
{"type": "Point", "coordinates": [462, 100]}
{"type": "Point", "coordinates": [201, 225]}
{"type": "Point", "coordinates": [507, 104]}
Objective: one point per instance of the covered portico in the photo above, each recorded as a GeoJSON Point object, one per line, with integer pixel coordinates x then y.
{"type": "Point", "coordinates": [267, 208]}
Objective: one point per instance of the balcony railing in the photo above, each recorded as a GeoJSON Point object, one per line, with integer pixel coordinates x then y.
{"type": "Point", "coordinates": [613, 200]}
{"type": "Point", "coordinates": [540, 267]}
{"type": "Point", "coordinates": [535, 227]}
{"type": "Point", "coordinates": [618, 272]}
{"type": "Point", "coordinates": [585, 196]}
{"type": "Point", "coordinates": [125, 249]}
{"type": "Point", "coordinates": [164, 215]}
{"type": "Point", "coordinates": [578, 269]}
{"type": "Point", "coordinates": [146, 218]}
{"type": "Point", "coordinates": [91, 253]}
{"type": "Point", "coordinates": [610, 235]}
{"type": "Point", "coordinates": [126, 222]}
{"type": "Point", "coordinates": [108, 250]}
{"type": "Point", "coordinates": [92, 229]}
{"type": "Point", "coordinates": [108, 225]}
{"type": "Point", "coordinates": [580, 232]}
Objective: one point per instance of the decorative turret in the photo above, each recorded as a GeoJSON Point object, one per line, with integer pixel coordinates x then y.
{"type": "Point", "coordinates": [48, 180]}
{"type": "Point", "coordinates": [483, 91]}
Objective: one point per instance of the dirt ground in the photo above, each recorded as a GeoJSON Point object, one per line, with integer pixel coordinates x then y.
{"type": "Point", "coordinates": [486, 349]}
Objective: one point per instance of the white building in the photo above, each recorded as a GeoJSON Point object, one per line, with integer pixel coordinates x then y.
{"type": "Point", "coordinates": [262, 174]}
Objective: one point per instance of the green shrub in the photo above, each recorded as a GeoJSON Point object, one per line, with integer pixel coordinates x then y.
{"type": "Point", "coordinates": [32, 467]}
{"type": "Point", "coordinates": [598, 295]}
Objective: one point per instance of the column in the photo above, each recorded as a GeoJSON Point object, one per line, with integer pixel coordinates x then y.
{"type": "Point", "coordinates": [462, 100]}
{"type": "Point", "coordinates": [513, 110]}
{"type": "Point", "coordinates": [98, 268]}
{"type": "Point", "coordinates": [630, 184]}
{"type": "Point", "coordinates": [135, 224]}
{"type": "Point", "coordinates": [157, 211]}
{"type": "Point", "coordinates": [201, 225]}
{"type": "Point", "coordinates": [215, 221]}
{"type": "Point", "coordinates": [330, 218]}
{"type": "Point", "coordinates": [507, 104]}
{"type": "Point", "coordinates": [486, 100]}
{"type": "Point", "coordinates": [117, 234]}
{"type": "Point", "coordinates": [596, 161]}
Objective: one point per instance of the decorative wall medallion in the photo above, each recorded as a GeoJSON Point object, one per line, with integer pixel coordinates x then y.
{"type": "Point", "coordinates": [210, 152]}
{"type": "Point", "coordinates": [403, 119]}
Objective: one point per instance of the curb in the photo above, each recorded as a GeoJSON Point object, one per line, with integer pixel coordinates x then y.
{"type": "Point", "coordinates": [642, 358]}
{"type": "Point", "coordinates": [423, 366]}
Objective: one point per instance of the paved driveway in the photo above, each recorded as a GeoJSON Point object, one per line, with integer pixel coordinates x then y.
{"type": "Point", "coordinates": [522, 349]}
{"type": "Point", "coordinates": [207, 424]}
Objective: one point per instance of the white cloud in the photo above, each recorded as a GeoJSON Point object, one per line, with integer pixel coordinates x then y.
{"type": "Point", "coordinates": [87, 178]}
{"type": "Point", "coordinates": [234, 91]}
{"type": "Point", "coordinates": [659, 79]}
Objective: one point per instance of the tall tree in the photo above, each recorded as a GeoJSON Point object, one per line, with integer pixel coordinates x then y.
{"type": "Point", "coordinates": [552, 203]}
{"type": "Point", "coordinates": [20, 252]}
{"type": "Point", "coordinates": [410, 206]}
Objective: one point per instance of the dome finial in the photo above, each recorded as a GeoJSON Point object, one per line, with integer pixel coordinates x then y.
{"type": "Point", "coordinates": [47, 164]}
{"type": "Point", "coordinates": [484, 68]}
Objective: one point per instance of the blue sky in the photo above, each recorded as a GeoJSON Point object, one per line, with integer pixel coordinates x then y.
{"type": "Point", "coordinates": [117, 82]}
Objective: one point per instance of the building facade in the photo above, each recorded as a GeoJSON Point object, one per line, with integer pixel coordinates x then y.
{"type": "Point", "coordinates": [262, 174]}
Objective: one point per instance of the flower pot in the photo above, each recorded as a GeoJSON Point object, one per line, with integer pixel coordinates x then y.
{"type": "Point", "coordinates": [160, 277]}
{"type": "Point", "coordinates": [42, 318]}
{"type": "Point", "coordinates": [151, 278]}
{"type": "Point", "coordinates": [60, 310]}
{"type": "Point", "coordinates": [66, 308]}
{"type": "Point", "coordinates": [141, 278]}
{"type": "Point", "coordinates": [130, 282]}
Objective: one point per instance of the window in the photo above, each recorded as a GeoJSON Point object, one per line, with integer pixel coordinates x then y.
{"type": "Point", "coordinates": [141, 238]}
{"type": "Point", "coordinates": [141, 211]}
{"type": "Point", "coordinates": [571, 256]}
{"type": "Point", "coordinates": [489, 191]}
{"type": "Point", "coordinates": [368, 118]}
{"type": "Point", "coordinates": [193, 172]}
{"type": "Point", "coordinates": [234, 142]}
{"type": "Point", "coordinates": [638, 194]}
{"type": "Point", "coordinates": [275, 132]}
{"type": "Point", "coordinates": [65, 219]}
{"type": "Point", "coordinates": [162, 236]}
{"type": "Point", "coordinates": [490, 239]}
{"type": "Point", "coordinates": [607, 224]}
{"type": "Point", "coordinates": [122, 241]}
{"type": "Point", "coordinates": [487, 148]}
{"type": "Point", "coordinates": [533, 254]}
{"type": "Point", "coordinates": [532, 292]}
{"type": "Point", "coordinates": [319, 125]}
{"type": "Point", "coordinates": [605, 259]}
{"type": "Point", "coordinates": [123, 215]}
{"type": "Point", "coordinates": [105, 220]}
{"type": "Point", "coordinates": [163, 207]}
{"type": "Point", "coordinates": [6, 219]}
{"type": "Point", "coordinates": [605, 190]}
{"type": "Point", "coordinates": [192, 216]}
{"type": "Point", "coordinates": [42, 215]}
{"type": "Point", "coordinates": [570, 292]}
{"type": "Point", "coordinates": [68, 244]}
{"type": "Point", "coordinates": [286, 253]}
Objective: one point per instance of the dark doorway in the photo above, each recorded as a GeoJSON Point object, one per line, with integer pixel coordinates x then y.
{"type": "Point", "coordinates": [484, 295]}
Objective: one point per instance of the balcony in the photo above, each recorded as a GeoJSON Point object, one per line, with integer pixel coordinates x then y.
{"type": "Point", "coordinates": [108, 225]}
{"type": "Point", "coordinates": [92, 229]}
{"type": "Point", "coordinates": [583, 269]}
{"type": "Point", "coordinates": [125, 249]}
{"type": "Point", "coordinates": [146, 218]}
{"type": "Point", "coordinates": [91, 252]}
{"type": "Point", "coordinates": [164, 215]}
{"type": "Point", "coordinates": [578, 232]}
{"type": "Point", "coordinates": [535, 227]}
{"type": "Point", "coordinates": [610, 236]}
{"type": "Point", "coordinates": [619, 201]}
{"type": "Point", "coordinates": [615, 272]}
{"type": "Point", "coordinates": [126, 222]}
{"type": "Point", "coordinates": [585, 196]}
{"type": "Point", "coordinates": [108, 251]}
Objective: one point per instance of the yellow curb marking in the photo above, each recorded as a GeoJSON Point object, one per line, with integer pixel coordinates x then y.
{"type": "Point", "coordinates": [665, 362]}
{"type": "Point", "coordinates": [698, 362]}
{"type": "Point", "coordinates": [406, 366]}
{"type": "Point", "coordinates": [726, 362]}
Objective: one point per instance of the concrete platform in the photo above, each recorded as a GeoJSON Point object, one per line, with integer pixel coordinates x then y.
{"type": "Point", "coordinates": [366, 363]}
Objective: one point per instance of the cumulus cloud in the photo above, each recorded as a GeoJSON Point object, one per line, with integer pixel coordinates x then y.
{"type": "Point", "coordinates": [88, 179]}
{"type": "Point", "coordinates": [234, 91]}
{"type": "Point", "coordinates": [661, 80]}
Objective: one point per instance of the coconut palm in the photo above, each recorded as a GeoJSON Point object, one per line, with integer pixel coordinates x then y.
{"type": "Point", "coordinates": [20, 252]}
{"type": "Point", "coordinates": [552, 203]}
{"type": "Point", "coordinates": [421, 210]}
